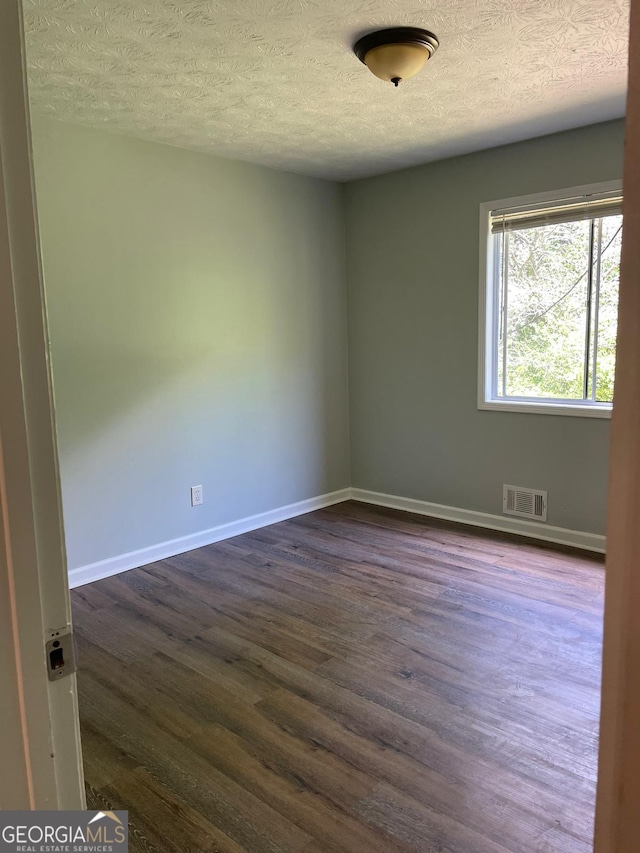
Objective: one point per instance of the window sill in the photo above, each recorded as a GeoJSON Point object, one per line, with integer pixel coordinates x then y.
{"type": "Point", "coordinates": [544, 408]}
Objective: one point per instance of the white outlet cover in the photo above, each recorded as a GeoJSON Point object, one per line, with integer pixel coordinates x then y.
{"type": "Point", "coordinates": [197, 496]}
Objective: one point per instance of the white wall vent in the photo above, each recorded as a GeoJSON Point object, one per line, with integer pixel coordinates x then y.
{"type": "Point", "coordinates": [525, 503]}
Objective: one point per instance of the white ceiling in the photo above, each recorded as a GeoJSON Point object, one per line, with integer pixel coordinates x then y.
{"type": "Point", "coordinates": [275, 81]}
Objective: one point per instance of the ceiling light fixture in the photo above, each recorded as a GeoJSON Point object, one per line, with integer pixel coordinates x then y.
{"type": "Point", "coordinates": [397, 53]}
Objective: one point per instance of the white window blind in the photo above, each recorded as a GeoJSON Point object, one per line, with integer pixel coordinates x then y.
{"type": "Point", "coordinates": [564, 210]}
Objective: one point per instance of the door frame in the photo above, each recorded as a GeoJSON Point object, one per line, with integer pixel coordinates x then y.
{"type": "Point", "coordinates": [41, 716]}
{"type": "Point", "coordinates": [618, 800]}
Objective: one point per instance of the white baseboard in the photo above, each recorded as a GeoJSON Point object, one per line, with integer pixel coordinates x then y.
{"type": "Point", "coordinates": [164, 550]}
{"type": "Point", "coordinates": [173, 547]}
{"type": "Point", "coordinates": [559, 535]}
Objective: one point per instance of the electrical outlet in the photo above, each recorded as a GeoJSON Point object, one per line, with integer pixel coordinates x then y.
{"type": "Point", "coordinates": [197, 496]}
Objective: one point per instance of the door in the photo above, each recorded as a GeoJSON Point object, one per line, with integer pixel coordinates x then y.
{"type": "Point", "coordinates": [39, 729]}
{"type": "Point", "coordinates": [618, 807]}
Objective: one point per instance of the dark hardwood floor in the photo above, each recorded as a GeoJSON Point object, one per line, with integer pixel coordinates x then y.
{"type": "Point", "coordinates": [356, 680]}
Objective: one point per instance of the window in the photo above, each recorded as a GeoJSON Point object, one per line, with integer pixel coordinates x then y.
{"type": "Point", "coordinates": [550, 270]}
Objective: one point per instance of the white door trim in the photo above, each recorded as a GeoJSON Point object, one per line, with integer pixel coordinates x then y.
{"type": "Point", "coordinates": [33, 576]}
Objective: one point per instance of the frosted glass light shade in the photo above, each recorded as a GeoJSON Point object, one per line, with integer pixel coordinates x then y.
{"type": "Point", "coordinates": [397, 53]}
{"type": "Point", "coordinates": [395, 62]}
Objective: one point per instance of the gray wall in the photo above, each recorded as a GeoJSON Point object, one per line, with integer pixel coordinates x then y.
{"type": "Point", "coordinates": [198, 329]}
{"type": "Point", "coordinates": [412, 270]}
{"type": "Point", "coordinates": [198, 325]}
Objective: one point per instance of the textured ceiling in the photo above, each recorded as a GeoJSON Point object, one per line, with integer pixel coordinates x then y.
{"type": "Point", "coordinates": [275, 82]}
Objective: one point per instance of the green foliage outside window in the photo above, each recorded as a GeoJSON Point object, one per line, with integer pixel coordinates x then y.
{"type": "Point", "coordinates": [549, 340]}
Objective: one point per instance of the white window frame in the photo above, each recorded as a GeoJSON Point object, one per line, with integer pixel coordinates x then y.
{"type": "Point", "coordinates": [487, 396]}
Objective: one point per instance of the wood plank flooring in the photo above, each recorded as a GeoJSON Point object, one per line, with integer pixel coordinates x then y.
{"type": "Point", "coordinates": [355, 680]}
